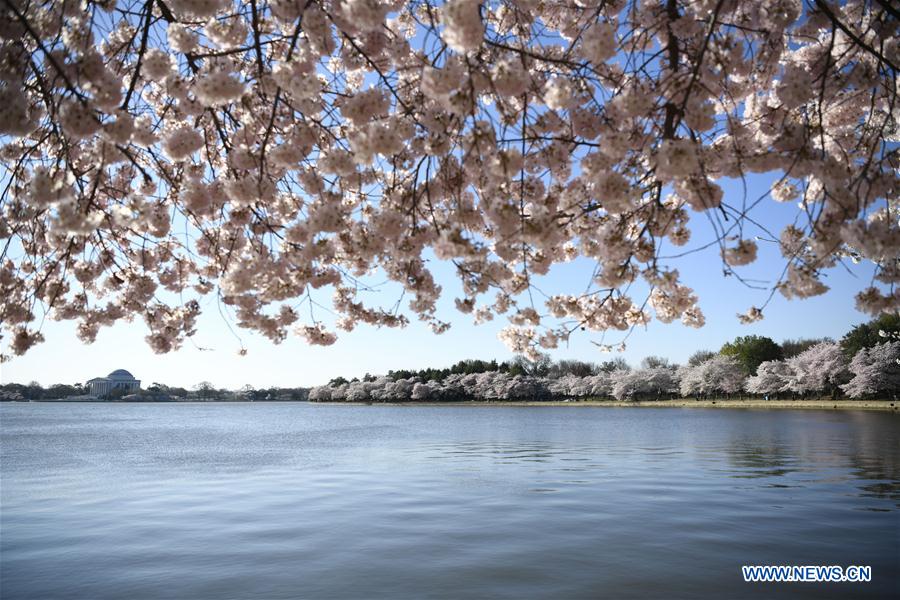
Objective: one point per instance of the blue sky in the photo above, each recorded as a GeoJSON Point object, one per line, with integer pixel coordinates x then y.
{"type": "Point", "coordinates": [63, 359]}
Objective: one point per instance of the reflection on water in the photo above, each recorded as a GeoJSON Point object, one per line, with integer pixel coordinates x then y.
{"type": "Point", "coordinates": [755, 460]}
{"type": "Point", "coordinates": [295, 500]}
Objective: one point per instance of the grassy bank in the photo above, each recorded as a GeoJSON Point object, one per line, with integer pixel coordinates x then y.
{"type": "Point", "coordinates": [818, 404]}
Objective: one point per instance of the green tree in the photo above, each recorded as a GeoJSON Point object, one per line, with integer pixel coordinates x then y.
{"type": "Point", "coordinates": [865, 335]}
{"type": "Point", "coordinates": [205, 390]}
{"type": "Point", "coordinates": [35, 391]}
{"type": "Point", "coordinates": [178, 392]}
{"type": "Point", "coordinates": [116, 394]}
{"type": "Point", "coordinates": [751, 350]}
{"type": "Point", "coordinates": [61, 390]}
{"type": "Point", "coordinates": [395, 375]}
{"type": "Point", "coordinates": [654, 362]}
{"type": "Point", "coordinates": [700, 357]}
{"type": "Point", "coordinates": [535, 368]}
{"type": "Point", "coordinates": [616, 364]}
{"type": "Point", "coordinates": [579, 368]}
{"type": "Point", "coordinates": [516, 368]}
{"type": "Point", "coordinates": [247, 393]}
{"type": "Point", "coordinates": [14, 391]}
{"type": "Point", "coordinates": [791, 348]}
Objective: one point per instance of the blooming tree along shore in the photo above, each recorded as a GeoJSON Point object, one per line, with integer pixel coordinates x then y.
{"type": "Point", "coordinates": [269, 152]}
{"type": "Point", "coordinates": [873, 373]}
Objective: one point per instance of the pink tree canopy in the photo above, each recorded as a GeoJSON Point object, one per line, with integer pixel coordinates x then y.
{"type": "Point", "coordinates": [156, 151]}
{"type": "Point", "coordinates": [875, 370]}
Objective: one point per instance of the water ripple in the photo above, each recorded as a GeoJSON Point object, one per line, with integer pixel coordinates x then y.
{"type": "Point", "coordinates": [293, 500]}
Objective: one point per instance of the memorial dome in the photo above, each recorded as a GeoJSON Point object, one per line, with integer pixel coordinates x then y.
{"type": "Point", "coordinates": [120, 374]}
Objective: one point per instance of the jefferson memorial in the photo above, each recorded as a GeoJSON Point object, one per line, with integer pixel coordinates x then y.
{"type": "Point", "coordinates": [120, 379]}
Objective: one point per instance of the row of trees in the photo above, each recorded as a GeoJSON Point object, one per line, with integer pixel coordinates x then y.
{"type": "Point", "coordinates": [862, 364]}
{"type": "Point", "coordinates": [819, 370]}
{"type": "Point", "coordinates": [155, 392]}
{"type": "Point", "coordinates": [206, 391]}
{"type": "Point", "coordinates": [542, 367]}
{"type": "Point", "coordinates": [749, 351]}
{"type": "Point", "coordinates": [35, 391]}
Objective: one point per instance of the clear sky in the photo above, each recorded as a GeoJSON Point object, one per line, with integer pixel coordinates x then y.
{"type": "Point", "coordinates": [213, 355]}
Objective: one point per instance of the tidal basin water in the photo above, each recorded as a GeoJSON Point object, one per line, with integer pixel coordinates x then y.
{"type": "Point", "coordinates": [302, 500]}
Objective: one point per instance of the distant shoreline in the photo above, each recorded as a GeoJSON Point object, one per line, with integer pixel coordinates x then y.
{"type": "Point", "coordinates": [191, 401]}
{"type": "Point", "coordinates": [755, 403]}
{"type": "Point", "coordinates": [887, 405]}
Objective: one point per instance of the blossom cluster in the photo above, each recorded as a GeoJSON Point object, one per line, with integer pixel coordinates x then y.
{"type": "Point", "coordinates": [275, 153]}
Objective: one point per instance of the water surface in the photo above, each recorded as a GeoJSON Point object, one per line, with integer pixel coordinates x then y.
{"type": "Point", "coordinates": [300, 500]}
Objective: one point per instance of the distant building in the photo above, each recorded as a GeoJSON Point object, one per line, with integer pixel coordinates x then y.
{"type": "Point", "coordinates": [120, 379]}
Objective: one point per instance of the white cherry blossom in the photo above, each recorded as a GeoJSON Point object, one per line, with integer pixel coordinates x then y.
{"type": "Point", "coordinates": [288, 157]}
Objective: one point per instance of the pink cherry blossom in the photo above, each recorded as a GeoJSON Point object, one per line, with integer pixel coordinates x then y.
{"type": "Point", "coordinates": [289, 157]}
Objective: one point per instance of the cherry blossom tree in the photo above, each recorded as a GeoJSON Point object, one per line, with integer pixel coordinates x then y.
{"type": "Point", "coordinates": [563, 386]}
{"type": "Point", "coordinates": [625, 385]}
{"type": "Point", "coordinates": [572, 386]}
{"type": "Point", "coordinates": [819, 369]}
{"type": "Point", "coordinates": [875, 370]}
{"type": "Point", "coordinates": [266, 152]}
{"type": "Point", "coordinates": [772, 377]}
{"type": "Point", "coordinates": [717, 375]}
{"type": "Point", "coordinates": [320, 393]}
{"type": "Point", "coordinates": [339, 392]}
{"type": "Point", "coordinates": [654, 383]}
{"type": "Point", "coordinates": [422, 391]}
{"type": "Point", "coordinates": [359, 391]}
